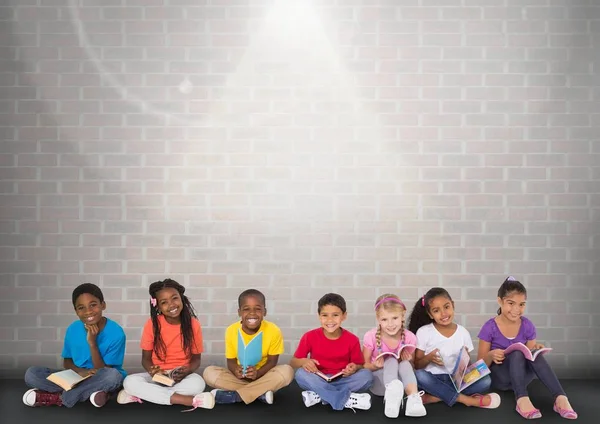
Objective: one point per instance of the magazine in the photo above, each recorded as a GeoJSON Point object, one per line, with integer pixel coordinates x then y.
{"type": "Point", "coordinates": [398, 352]}
{"type": "Point", "coordinates": [530, 354]}
{"type": "Point", "coordinates": [463, 374]}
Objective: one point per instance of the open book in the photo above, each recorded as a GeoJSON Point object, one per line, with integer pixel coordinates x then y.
{"type": "Point", "coordinates": [249, 354]}
{"type": "Point", "coordinates": [463, 374]}
{"type": "Point", "coordinates": [67, 379]}
{"type": "Point", "coordinates": [398, 352]}
{"type": "Point", "coordinates": [328, 378]}
{"type": "Point", "coordinates": [165, 378]}
{"type": "Point", "coordinates": [529, 354]}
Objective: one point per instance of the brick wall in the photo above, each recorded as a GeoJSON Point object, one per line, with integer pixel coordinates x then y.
{"type": "Point", "coordinates": [298, 147]}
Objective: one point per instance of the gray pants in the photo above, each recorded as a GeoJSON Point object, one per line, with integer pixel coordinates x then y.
{"type": "Point", "coordinates": [392, 370]}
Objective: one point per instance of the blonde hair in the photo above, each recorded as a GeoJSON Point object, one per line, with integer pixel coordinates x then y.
{"type": "Point", "coordinates": [389, 302]}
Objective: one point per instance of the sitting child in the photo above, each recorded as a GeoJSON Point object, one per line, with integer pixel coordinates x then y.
{"type": "Point", "coordinates": [439, 342]}
{"type": "Point", "coordinates": [94, 345]}
{"type": "Point", "coordinates": [259, 381]}
{"type": "Point", "coordinates": [171, 341]}
{"type": "Point", "coordinates": [393, 376]}
{"type": "Point", "coordinates": [332, 350]}
{"type": "Point", "coordinates": [513, 371]}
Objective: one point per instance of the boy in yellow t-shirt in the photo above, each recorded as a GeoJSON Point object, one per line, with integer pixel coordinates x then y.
{"type": "Point", "coordinates": [234, 384]}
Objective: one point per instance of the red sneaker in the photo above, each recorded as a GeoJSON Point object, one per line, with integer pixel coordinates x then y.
{"type": "Point", "coordinates": [35, 397]}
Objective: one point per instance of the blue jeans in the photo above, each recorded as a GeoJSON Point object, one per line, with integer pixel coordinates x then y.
{"type": "Point", "coordinates": [337, 392]}
{"type": "Point", "coordinates": [105, 380]}
{"type": "Point", "coordinates": [440, 386]}
{"type": "Point", "coordinates": [516, 372]}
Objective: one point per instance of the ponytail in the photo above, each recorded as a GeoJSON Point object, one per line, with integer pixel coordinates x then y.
{"type": "Point", "coordinates": [420, 313]}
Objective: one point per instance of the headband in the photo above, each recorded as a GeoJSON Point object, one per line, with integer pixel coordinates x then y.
{"type": "Point", "coordinates": [390, 299]}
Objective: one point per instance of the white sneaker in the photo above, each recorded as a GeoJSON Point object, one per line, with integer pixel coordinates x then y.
{"type": "Point", "coordinates": [394, 394]}
{"type": "Point", "coordinates": [310, 398]}
{"type": "Point", "coordinates": [202, 400]}
{"type": "Point", "coordinates": [358, 401]}
{"type": "Point", "coordinates": [123, 397]}
{"type": "Point", "coordinates": [414, 406]}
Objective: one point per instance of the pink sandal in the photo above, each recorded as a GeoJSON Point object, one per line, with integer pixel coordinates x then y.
{"type": "Point", "coordinates": [569, 414]}
{"type": "Point", "coordinates": [531, 415]}
{"type": "Point", "coordinates": [494, 400]}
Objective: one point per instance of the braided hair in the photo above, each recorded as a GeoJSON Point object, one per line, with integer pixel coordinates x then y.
{"type": "Point", "coordinates": [187, 314]}
{"type": "Point", "coordinates": [392, 303]}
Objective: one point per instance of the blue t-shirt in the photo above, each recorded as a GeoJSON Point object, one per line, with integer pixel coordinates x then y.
{"type": "Point", "coordinates": [110, 341]}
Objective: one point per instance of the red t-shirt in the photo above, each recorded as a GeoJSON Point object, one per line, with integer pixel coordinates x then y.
{"type": "Point", "coordinates": [333, 355]}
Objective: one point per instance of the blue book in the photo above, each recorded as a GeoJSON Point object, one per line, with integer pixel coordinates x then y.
{"type": "Point", "coordinates": [249, 354]}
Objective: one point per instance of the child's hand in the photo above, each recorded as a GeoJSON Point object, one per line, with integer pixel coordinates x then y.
{"type": "Point", "coordinates": [310, 365]}
{"type": "Point", "coordinates": [378, 363]}
{"type": "Point", "coordinates": [154, 369]}
{"type": "Point", "coordinates": [85, 372]}
{"type": "Point", "coordinates": [251, 373]}
{"type": "Point", "coordinates": [435, 357]}
{"type": "Point", "coordinates": [350, 369]}
{"type": "Point", "coordinates": [538, 346]}
{"type": "Point", "coordinates": [239, 372]}
{"type": "Point", "coordinates": [92, 331]}
{"type": "Point", "coordinates": [497, 355]}
{"type": "Point", "coordinates": [180, 373]}
{"type": "Point", "coordinates": [406, 355]}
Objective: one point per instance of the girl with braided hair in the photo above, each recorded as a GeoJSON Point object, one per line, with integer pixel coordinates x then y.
{"type": "Point", "coordinates": [392, 376]}
{"type": "Point", "coordinates": [171, 344]}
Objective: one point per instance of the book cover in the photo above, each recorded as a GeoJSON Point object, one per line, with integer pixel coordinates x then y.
{"type": "Point", "coordinates": [67, 379]}
{"type": "Point", "coordinates": [249, 354]}
{"type": "Point", "coordinates": [530, 354]}
{"type": "Point", "coordinates": [463, 374]}
{"type": "Point", "coordinates": [328, 378]}
{"type": "Point", "coordinates": [398, 352]}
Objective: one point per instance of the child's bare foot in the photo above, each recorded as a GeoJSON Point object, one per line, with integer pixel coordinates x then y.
{"type": "Point", "coordinates": [427, 398]}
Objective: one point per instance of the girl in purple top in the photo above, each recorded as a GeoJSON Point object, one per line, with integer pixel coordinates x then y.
{"type": "Point", "coordinates": [514, 371]}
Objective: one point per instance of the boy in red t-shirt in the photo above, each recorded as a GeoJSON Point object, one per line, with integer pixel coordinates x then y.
{"type": "Point", "coordinates": [332, 351]}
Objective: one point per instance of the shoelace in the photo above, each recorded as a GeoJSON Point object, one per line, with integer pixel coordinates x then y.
{"type": "Point", "coordinates": [197, 402]}
{"type": "Point", "coordinates": [136, 399]}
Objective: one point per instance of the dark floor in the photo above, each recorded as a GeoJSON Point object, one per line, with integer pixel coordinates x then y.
{"type": "Point", "coordinates": [584, 395]}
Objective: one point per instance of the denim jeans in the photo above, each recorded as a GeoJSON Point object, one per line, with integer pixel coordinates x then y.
{"type": "Point", "coordinates": [105, 380]}
{"type": "Point", "coordinates": [337, 392]}
{"type": "Point", "coordinates": [516, 372]}
{"type": "Point", "coordinates": [440, 386]}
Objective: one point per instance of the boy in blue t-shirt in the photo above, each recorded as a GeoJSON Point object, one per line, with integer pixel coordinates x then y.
{"type": "Point", "coordinates": [93, 345]}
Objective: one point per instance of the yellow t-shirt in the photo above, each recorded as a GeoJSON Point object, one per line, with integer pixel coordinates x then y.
{"type": "Point", "coordinates": [272, 341]}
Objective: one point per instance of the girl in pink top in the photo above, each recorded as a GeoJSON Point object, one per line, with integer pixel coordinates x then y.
{"type": "Point", "coordinates": [393, 374]}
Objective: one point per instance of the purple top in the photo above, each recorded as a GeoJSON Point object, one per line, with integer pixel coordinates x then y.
{"type": "Point", "coordinates": [491, 333]}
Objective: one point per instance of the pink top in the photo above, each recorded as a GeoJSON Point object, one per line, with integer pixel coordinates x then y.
{"type": "Point", "coordinates": [370, 342]}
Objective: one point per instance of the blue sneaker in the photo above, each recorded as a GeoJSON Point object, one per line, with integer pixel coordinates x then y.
{"type": "Point", "coordinates": [267, 397]}
{"type": "Point", "coordinates": [226, 396]}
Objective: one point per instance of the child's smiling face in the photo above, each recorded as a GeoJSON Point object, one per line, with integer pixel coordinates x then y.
{"type": "Point", "coordinates": [331, 318]}
{"type": "Point", "coordinates": [390, 321]}
{"type": "Point", "coordinates": [252, 311]}
{"type": "Point", "coordinates": [512, 306]}
{"type": "Point", "coordinates": [89, 309]}
{"type": "Point", "coordinates": [441, 310]}
{"type": "Point", "coordinates": [169, 303]}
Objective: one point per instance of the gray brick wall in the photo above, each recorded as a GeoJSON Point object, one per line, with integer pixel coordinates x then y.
{"type": "Point", "coordinates": [298, 147]}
